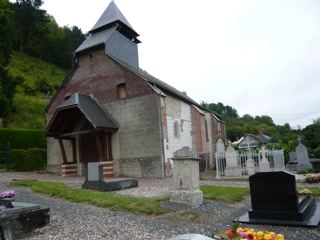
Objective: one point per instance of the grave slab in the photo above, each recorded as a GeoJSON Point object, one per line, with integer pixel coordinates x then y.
{"type": "Point", "coordinates": [95, 180]}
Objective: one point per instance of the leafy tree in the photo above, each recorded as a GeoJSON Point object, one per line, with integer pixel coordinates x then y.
{"type": "Point", "coordinates": [226, 111]}
{"type": "Point", "coordinates": [29, 26]}
{"type": "Point", "coordinates": [311, 135]}
{"type": "Point", "coordinates": [6, 81]}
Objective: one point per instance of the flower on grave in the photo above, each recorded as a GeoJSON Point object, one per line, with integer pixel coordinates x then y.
{"type": "Point", "coordinates": [8, 194]}
{"type": "Point", "coordinates": [312, 178]}
{"type": "Point", "coordinates": [304, 191]}
{"type": "Point", "coordinates": [238, 233]}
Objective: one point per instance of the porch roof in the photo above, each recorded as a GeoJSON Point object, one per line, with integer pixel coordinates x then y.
{"type": "Point", "coordinates": [80, 114]}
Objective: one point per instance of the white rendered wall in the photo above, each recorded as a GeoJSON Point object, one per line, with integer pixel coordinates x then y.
{"type": "Point", "coordinates": [180, 112]}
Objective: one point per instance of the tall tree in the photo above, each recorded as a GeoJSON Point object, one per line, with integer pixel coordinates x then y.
{"type": "Point", "coordinates": [226, 111]}
{"type": "Point", "coordinates": [5, 50]}
{"type": "Point", "coordinates": [29, 25]}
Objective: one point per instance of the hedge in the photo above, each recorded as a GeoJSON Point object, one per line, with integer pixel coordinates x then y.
{"type": "Point", "coordinates": [33, 159]}
{"type": "Point", "coordinates": [23, 138]}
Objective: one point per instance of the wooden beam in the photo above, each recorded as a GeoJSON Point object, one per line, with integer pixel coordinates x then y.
{"type": "Point", "coordinates": [76, 133]}
{"type": "Point", "coordinates": [63, 151]}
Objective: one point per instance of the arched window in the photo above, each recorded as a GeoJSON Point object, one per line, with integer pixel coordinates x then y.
{"type": "Point", "coordinates": [206, 129]}
{"type": "Point", "coordinates": [176, 129]}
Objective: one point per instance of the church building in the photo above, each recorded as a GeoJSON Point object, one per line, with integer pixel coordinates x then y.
{"type": "Point", "coordinates": [109, 110]}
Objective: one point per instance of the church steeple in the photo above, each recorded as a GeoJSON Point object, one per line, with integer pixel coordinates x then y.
{"type": "Point", "coordinates": [111, 17]}
{"type": "Point", "coordinates": [113, 32]}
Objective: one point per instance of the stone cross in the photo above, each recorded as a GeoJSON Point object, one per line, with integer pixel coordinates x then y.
{"type": "Point", "coordinates": [250, 163]}
{"type": "Point", "coordinates": [264, 165]}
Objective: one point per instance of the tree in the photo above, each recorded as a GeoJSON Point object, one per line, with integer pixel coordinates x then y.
{"type": "Point", "coordinates": [311, 135]}
{"type": "Point", "coordinates": [225, 111]}
{"type": "Point", "coordinates": [5, 50]}
{"type": "Point", "coordinates": [7, 82]}
{"type": "Point", "coordinates": [29, 26]}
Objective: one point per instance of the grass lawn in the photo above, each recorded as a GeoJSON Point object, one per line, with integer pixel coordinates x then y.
{"type": "Point", "coordinates": [149, 206]}
{"type": "Point", "coordinates": [229, 194]}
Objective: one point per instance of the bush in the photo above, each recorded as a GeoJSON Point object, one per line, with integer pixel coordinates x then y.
{"type": "Point", "coordinates": [23, 138]}
{"type": "Point", "coordinates": [33, 159]}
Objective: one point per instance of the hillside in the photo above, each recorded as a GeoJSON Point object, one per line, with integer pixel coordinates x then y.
{"type": "Point", "coordinates": [38, 81]}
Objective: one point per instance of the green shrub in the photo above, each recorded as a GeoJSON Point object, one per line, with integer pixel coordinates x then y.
{"type": "Point", "coordinates": [23, 138]}
{"type": "Point", "coordinates": [33, 159]}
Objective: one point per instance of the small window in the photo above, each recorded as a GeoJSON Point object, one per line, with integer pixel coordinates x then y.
{"type": "Point", "coordinates": [122, 91]}
{"type": "Point", "coordinates": [67, 96]}
{"type": "Point", "coordinates": [176, 129]}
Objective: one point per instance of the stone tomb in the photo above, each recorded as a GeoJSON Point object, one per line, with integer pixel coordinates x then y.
{"type": "Point", "coordinates": [94, 179]}
{"type": "Point", "coordinates": [275, 201]}
{"type": "Point", "coordinates": [28, 216]}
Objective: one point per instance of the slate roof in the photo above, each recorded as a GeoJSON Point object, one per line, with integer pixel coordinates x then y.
{"type": "Point", "coordinates": [75, 108]}
{"type": "Point", "coordinates": [96, 39]}
{"type": "Point", "coordinates": [252, 140]}
{"type": "Point", "coordinates": [111, 19]}
{"type": "Point", "coordinates": [111, 15]}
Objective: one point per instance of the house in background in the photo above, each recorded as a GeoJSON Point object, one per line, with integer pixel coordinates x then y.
{"type": "Point", "coordinates": [252, 141]}
{"type": "Point", "coordinates": [110, 111]}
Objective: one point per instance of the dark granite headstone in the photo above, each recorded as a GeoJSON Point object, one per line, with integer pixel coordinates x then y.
{"type": "Point", "coordinates": [274, 200]}
{"type": "Point", "coordinates": [273, 192]}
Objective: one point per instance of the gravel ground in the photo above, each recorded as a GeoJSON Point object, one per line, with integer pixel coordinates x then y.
{"type": "Point", "coordinates": [79, 221]}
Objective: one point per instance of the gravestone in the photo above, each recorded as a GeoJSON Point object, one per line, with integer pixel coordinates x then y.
{"type": "Point", "coordinates": [303, 161]}
{"type": "Point", "coordinates": [232, 168]}
{"type": "Point", "coordinates": [274, 200]}
{"type": "Point", "coordinates": [191, 236]}
{"type": "Point", "coordinates": [94, 179]}
{"type": "Point", "coordinates": [250, 163]}
{"type": "Point", "coordinates": [220, 146]}
{"type": "Point", "coordinates": [264, 165]}
{"type": "Point", "coordinates": [186, 187]}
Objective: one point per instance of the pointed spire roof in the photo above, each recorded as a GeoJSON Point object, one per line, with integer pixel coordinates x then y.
{"type": "Point", "coordinates": [111, 15]}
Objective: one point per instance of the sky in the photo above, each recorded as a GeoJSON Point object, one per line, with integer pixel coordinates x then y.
{"type": "Point", "coordinates": [261, 57]}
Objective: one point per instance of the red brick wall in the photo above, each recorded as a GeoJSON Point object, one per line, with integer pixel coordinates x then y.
{"type": "Point", "coordinates": [99, 75]}
{"type": "Point", "coordinates": [199, 141]}
{"type": "Point", "coordinates": [215, 132]}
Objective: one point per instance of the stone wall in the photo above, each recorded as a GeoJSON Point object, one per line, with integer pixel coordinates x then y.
{"type": "Point", "coordinates": [137, 146]}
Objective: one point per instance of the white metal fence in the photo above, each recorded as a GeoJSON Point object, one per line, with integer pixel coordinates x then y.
{"type": "Point", "coordinates": [237, 165]}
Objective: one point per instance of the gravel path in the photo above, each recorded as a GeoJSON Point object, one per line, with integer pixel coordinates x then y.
{"type": "Point", "coordinates": [79, 221]}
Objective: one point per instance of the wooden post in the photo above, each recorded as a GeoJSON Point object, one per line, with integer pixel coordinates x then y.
{"type": "Point", "coordinates": [74, 150]}
{"type": "Point", "coordinates": [109, 156]}
{"type": "Point", "coordinates": [99, 147]}
{"type": "Point", "coordinates": [64, 156]}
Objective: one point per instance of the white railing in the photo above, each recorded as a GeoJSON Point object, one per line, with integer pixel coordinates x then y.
{"type": "Point", "coordinates": [241, 164]}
